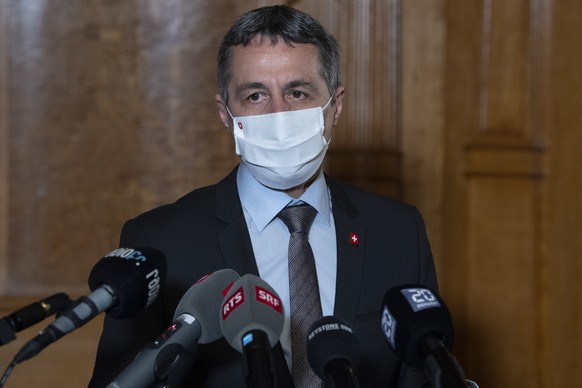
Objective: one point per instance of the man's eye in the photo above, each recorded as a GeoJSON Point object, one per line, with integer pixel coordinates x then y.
{"type": "Point", "coordinates": [297, 94]}
{"type": "Point", "coordinates": [254, 97]}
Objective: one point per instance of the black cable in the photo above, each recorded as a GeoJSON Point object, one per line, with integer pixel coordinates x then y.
{"type": "Point", "coordinates": [7, 373]}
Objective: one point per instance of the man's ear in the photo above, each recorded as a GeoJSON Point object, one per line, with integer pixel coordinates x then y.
{"type": "Point", "coordinates": [224, 116]}
{"type": "Point", "coordinates": [338, 103]}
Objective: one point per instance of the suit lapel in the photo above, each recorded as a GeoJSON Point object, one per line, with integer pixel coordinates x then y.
{"type": "Point", "coordinates": [350, 254]}
{"type": "Point", "coordinates": [234, 240]}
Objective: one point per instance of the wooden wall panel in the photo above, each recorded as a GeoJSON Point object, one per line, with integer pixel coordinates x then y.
{"type": "Point", "coordinates": [502, 283]}
{"type": "Point", "coordinates": [561, 232]}
{"type": "Point", "coordinates": [111, 113]}
{"type": "Point", "coordinates": [501, 295]}
{"type": "Point", "coordinates": [509, 117]}
{"type": "Point", "coordinates": [423, 105]}
{"type": "Point", "coordinates": [4, 150]}
{"type": "Point", "coordinates": [495, 170]}
{"type": "Point", "coordinates": [504, 72]}
{"type": "Point", "coordinates": [106, 110]}
{"type": "Point", "coordinates": [366, 146]}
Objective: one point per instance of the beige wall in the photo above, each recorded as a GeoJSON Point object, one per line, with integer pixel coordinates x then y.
{"type": "Point", "coordinates": [468, 109]}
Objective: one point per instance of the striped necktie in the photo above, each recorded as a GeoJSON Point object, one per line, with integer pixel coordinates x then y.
{"type": "Point", "coordinates": [303, 289]}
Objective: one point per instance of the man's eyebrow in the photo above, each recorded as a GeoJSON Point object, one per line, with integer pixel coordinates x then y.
{"type": "Point", "coordinates": [301, 83]}
{"type": "Point", "coordinates": [249, 86]}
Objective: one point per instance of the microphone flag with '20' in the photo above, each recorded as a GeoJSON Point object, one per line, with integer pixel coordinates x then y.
{"type": "Point", "coordinates": [419, 329]}
{"type": "Point", "coordinates": [196, 319]}
{"type": "Point", "coordinates": [252, 320]}
{"type": "Point", "coordinates": [123, 283]}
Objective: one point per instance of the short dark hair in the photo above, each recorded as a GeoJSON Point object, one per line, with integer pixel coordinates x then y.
{"type": "Point", "coordinates": [280, 22]}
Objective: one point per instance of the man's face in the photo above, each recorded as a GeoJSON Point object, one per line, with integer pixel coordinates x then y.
{"type": "Point", "coordinates": [269, 78]}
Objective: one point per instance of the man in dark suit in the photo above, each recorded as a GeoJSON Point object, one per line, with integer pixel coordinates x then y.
{"type": "Point", "coordinates": [280, 95]}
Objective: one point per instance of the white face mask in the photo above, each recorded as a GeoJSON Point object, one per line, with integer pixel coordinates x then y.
{"type": "Point", "coordinates": [284, 149]}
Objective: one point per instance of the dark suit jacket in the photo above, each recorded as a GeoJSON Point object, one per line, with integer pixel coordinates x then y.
{"type": "Point", "coordinates": [206, 231]}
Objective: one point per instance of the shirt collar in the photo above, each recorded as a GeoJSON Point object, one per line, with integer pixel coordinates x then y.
{"type": "Point", "coordinates": [263, 204]}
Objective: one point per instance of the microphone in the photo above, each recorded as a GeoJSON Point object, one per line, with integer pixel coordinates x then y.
{"type": "Point", "coordinates": [195, 320]}
{"type": "Point", "coordinates": [419, 329]}
{"type": "Point", "coordinates": [31, 314]}
{"type": "Point", "coordinates": [252, 320]}
{"type": "Point", "coordinates": [333, 352]}
{"type": "Point", "coordinates": [124, 282]}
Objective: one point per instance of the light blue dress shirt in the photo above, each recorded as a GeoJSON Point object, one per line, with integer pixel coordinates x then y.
{"type": "Point", "coordinates": [270, 239]}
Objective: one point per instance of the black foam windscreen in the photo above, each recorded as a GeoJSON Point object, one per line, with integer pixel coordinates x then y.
{"type": "Point", "coordinates": [135, 275]}
{"type": "Point", "coordinates": [411, 313]}
{"type": "Point", "coordinates": [331, 339]}
{"type": "Point", "coordinates": [203, 301]}
{"type": "Point", "coordinates": [251, 304]}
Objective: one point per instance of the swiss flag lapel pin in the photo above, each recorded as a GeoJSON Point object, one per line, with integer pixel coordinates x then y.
{"type": "Point", "coordinates": [354, 239]}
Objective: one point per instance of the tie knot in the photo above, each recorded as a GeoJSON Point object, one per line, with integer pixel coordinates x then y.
{"type": "Point", "coordinates": [298, 219]}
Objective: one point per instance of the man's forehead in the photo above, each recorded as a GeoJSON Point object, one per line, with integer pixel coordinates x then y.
{"type": "Point", "coordinates": [262, 62]}
{"type": "Point", "coordinates": [264, 41]}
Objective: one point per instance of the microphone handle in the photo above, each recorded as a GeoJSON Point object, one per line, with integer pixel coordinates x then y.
{"type": "Point", "coordinates": [81, 312]}
{"type": "Point", "coordinates": [155, 362]}
{"type": "Point", "coordinates": [31, 314]}
{"type": "Point", "coordinates": [339, 374]}
{"type": "Point", "coordinates": [257, 351]}
{"type": "Point", "coordinates": [36, 312]}
{"type": "Point", "coordinates": [443, 369]}
{"type": "Point", "coordinates": [7, 332]}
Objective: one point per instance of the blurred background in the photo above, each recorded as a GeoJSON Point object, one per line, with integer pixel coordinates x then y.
{"type": "Point", "coordinates": [469, 109]}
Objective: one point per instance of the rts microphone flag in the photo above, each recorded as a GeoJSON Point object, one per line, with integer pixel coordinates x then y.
{"type": "Point", "coordinates": [252, 320]}
{"type": "Point", "coordinates": [196, 319]}
{"type": "Point", "coordinates": [419, 329]}
{"type": "Point", "coordinates": [333, 352]}
{"type": "Point", "coordinates": [31, 314]}
{"type": "Point", "coordinates": [123, 283]}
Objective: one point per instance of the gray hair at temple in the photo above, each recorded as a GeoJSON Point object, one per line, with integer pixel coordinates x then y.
{"type": "Point", "coordinates": [280, 22]}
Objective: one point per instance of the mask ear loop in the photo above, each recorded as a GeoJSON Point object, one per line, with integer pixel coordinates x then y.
{"type": "Point", "coordinates": [327, 103]}
{"type": "Point", "coordinates": [228, 111]}
{"type": "Point", "coordinates": [322, 109]}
